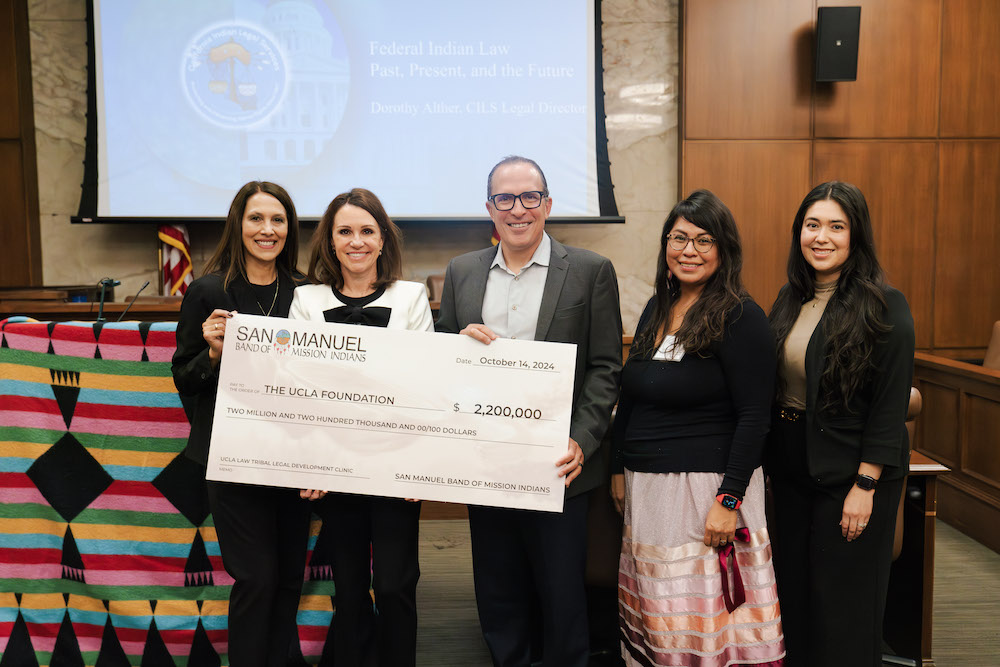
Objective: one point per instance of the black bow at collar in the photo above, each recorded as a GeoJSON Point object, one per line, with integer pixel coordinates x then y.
{"type": "Point", "coordinates": [372, 316]}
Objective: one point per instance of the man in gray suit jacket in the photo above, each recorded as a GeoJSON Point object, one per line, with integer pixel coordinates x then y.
{"type": "Point", "coordinates": [533, 287]}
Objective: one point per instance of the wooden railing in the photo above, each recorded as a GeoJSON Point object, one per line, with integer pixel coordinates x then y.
{"type": "Point", "coordinates": [960, 427]}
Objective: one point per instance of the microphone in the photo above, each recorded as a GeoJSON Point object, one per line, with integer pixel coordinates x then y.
{"type": "Point", "coordinates": [105, 283]}
{"type": "Point", "coordinates": [132, 301]}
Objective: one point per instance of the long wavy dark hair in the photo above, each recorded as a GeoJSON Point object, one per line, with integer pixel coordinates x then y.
{"type": "Point", "coordinates": [705, 322]}
{"type": "Point", "coordinates": [324, 267]}
{"type": "Point", "coordinates": [855, 316]}
{"type": "Point", "coordinates": [229, 258]}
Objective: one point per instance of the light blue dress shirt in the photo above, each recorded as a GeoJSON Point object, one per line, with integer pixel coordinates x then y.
{"type": "Point", "coordinates": [511, 301]}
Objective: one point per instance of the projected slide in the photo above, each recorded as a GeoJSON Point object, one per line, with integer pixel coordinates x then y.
{"type": "Point", "coordinates": [413, 100]}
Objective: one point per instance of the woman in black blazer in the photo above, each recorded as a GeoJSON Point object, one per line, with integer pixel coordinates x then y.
{"type": "Point", "coordinates": [838, 450]}
{"type": "Point", "coordinates": [262, 531]}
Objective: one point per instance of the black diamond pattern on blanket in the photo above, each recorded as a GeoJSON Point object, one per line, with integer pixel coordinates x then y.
{"type": "Point", "coordinates": [66, 652]}
{"type": "Point", "coordinates": [321, 561]}
{"type": "Point", "coordinates": [19, 651]}
{"type": "Point", "coordinates": [182, 482]}
{"type": "Point", "coordinates": [112, 654]}
{"type": "Point", "coordinates": [66, 399]}
{"type": "Point", "coordinates": [64, 378]}
{"type": "Point", "coordinates": [202, 651]}
{"type": "Point", "coordinates": [72, 563]}
{"type": "Point", "coordinates": [69, 477]}
{"type": "Point", "coordinates": [156, 652]}
{"type": "Point", "coordinates": [198, 569]}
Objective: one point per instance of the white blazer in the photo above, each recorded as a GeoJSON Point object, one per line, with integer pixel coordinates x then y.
{"type": "Point", "coordinates": [407, 300]}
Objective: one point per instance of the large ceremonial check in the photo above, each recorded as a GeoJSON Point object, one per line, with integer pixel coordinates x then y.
{"type": "Point", "coordinates": [408, 414]}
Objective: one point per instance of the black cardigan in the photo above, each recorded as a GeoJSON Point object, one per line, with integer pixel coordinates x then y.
{"type": "Point", "coordinates": [708, 412]}
{"type": "Point", "coordinates": [195, 378]}
{"type": "Point", "coordinates": [873, 428]}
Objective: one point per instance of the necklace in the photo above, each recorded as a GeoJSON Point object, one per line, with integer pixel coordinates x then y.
{"type": "Point", "coordinates": [822, 293]}
{"type": "Point", "coordinates": [277, 282]}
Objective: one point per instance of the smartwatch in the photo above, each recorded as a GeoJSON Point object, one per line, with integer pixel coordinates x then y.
{"type": "Point", "coordinates": [728, 501]}
{"type": "Point", "coordinates": [865, 482]}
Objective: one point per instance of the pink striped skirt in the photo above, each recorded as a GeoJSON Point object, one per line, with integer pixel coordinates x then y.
{"type": "Point", "coordinates": [675, 594]}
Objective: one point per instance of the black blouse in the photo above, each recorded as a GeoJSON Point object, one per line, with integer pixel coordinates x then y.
{"type": "Point", "coordinates": [194, 376]}
{"type": "Point", "coordinates": [708, 412]}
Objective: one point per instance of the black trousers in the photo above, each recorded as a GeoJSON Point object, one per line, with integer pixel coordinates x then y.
{"type": "Point", "coordinates": [832, 592]}
{"type": "Point", "coordinates": [375, 542]}
{"type": "Point", "coordinates": [263, 532]}
{"type": "Point", "coordinates": [521, 559]}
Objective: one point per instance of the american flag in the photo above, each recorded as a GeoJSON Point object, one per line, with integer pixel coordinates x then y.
{"type": "Point", "coordinates": [175, 259]}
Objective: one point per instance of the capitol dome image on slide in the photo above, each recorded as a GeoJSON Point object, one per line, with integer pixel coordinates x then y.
{"type": "Point", "coordinates": [316, 90]}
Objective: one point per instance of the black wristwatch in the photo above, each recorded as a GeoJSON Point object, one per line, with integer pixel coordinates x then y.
{"type": "Point", "coordinates": [865, 482]}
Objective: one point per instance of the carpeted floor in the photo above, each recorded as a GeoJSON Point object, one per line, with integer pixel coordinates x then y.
{"type": "Point", "coordinates": [966, 600]}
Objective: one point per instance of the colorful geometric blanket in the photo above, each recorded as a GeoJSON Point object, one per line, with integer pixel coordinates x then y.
{"type": "Point", "coordinates": [108, 554]}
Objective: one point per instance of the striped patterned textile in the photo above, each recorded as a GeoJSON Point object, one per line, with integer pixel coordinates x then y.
{"type": "Point", "coordinates": [108, 553]}
{"type": "Point", "coordinates": [675, 609]}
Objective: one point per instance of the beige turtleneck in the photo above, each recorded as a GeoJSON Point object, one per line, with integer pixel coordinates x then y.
{"type": "Point", "coordinates": [793, 367]}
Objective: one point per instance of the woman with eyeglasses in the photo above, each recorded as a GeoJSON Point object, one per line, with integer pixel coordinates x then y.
{"type": "Point", "coordinates": [696, 585]}
{"type": "Point", "coordinates": [356, 263]}
{"type": "Point", "coordinates": [838, 450]}
{"type": "Point", "coordinates": [262, 530]}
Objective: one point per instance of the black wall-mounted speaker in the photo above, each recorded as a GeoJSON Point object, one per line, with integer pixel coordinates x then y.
{"type": "Point", "coordinates": [837, 30]}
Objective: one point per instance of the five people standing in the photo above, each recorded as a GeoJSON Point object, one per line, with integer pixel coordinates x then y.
{"type": "Point", "coordinates": [696, 581]}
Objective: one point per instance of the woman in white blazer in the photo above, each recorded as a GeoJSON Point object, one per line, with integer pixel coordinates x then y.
{"type": "Point", "coordinates": [356, 263]}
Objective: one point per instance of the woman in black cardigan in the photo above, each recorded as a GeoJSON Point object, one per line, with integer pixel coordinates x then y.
{"type": "Point", "coordinates": [262, 531]}
{"type": "Point", "coordinates": [838, 450]}
{"type": "Point", "coordinates": [692, 419]}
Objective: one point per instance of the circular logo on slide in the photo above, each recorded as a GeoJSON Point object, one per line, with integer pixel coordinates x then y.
{"type": "Point", "coordinates": [234, 75]}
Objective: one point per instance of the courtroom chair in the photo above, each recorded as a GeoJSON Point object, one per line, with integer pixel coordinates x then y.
{"type": "Point", "coordinates": [912, 410]}
{"type": "Point", "coordinates": [992, 358]}
{"type": "Point", "coordinates": [435, 286]}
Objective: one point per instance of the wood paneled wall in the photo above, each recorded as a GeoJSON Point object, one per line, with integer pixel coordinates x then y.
{"type": "Point", "coordinates": [755, 179]}
{"type": "Point", "coordinates": [21, 262]}
{"type": "Point", "coordinates": [741, 63]}
{"type": "Point", "coordinates": [896, 94]}
{"type": "Point", "coordinates": [918, 132]}
{"type": "Point", "coordinates": [967, 268]}
{"type": "Point", "coordinates": [970, 69]}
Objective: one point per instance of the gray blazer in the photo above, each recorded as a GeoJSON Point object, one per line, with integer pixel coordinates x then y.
{"type": "Point", "coordinates": [579, 305]}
